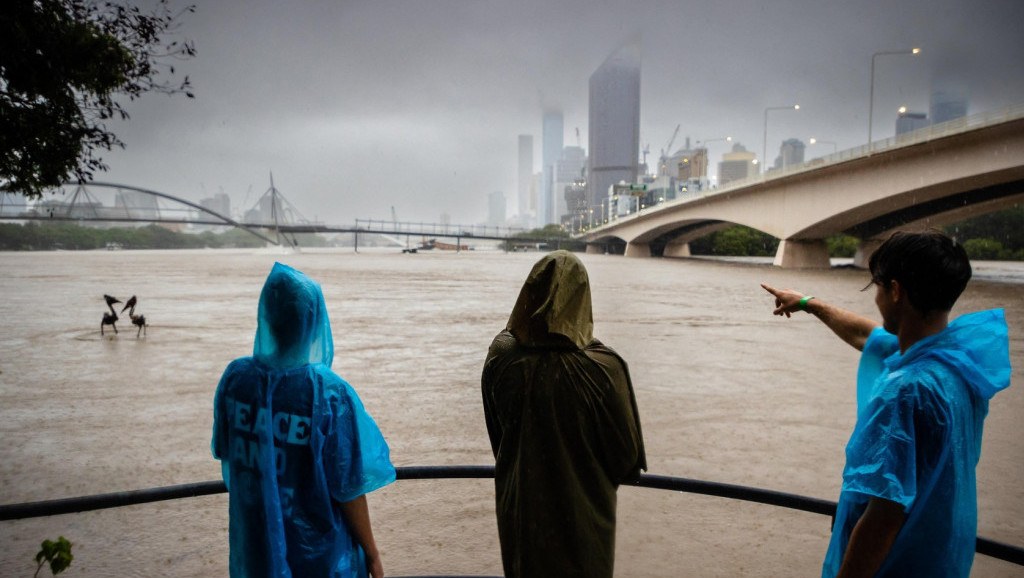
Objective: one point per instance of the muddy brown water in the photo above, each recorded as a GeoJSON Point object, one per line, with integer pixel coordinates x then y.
{"type": "Point", "coordinates": [727, 393]}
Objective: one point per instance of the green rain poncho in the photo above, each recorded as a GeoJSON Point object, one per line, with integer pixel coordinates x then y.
{"type": "Point", "coordinates": [564, 428]}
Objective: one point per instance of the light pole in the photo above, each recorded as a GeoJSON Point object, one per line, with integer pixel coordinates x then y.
{"type": "Point", "coordinates": [871, 97]}
{"type": "Point", "coordinates": [707, 155]}
{"type": "Point", "coordinates": [816, 141]}
{"type": "Point", "coordinates": [764, 144]}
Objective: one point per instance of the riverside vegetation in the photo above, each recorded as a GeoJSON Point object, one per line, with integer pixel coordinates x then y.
{"type": "Point", "coordinates": [996, 236]}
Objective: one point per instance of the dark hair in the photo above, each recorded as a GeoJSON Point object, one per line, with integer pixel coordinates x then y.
{"type": "Point", "coordinates": [930, 266]}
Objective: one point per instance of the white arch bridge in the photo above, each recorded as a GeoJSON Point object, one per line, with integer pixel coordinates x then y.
{"type": "Point", "coordinates": [106, 204]}
{"type": "Point", "coordinates": [933, 177]}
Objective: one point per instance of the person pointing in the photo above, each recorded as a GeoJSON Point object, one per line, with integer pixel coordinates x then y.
{"type": "Point", "coordinates": [908, 504]}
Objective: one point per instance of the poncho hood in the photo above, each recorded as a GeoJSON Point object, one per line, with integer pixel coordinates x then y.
{"type": "Point", "coordinates": [553, 309]}
{"type": "Point", "coordinates": [292, 327]}
{"type": "Point", "coordinates": [975, 346]}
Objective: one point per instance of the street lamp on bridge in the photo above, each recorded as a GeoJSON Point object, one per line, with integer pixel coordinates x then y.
{"type": "Point", "coordinates": [871, 98]}
{"type": "Point", "coordinates": [816, 141]}
{"type": "Point", "coordinates": [764, 144]}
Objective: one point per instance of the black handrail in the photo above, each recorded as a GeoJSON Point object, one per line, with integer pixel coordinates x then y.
{"type": "Point", "coordinates": [984, 546]}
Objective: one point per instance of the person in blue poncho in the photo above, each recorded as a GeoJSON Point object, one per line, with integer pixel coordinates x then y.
{"type": "Point", "coordinates": [298, 452]}
{"type": "Point", "coordinates": [908, 505]}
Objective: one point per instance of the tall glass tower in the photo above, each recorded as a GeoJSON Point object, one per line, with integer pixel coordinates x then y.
{"type": "Point", "coordinates": [524, 174]}
{"type": "Point", "coordinates": [551, 150]}
{"type": "Point", "coordinates": [614, 126]}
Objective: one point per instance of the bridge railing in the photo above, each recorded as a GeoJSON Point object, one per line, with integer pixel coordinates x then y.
{"type": "Point", "coordinates": [926, 134]}
{"type": "Point", "coordinates": [984, 546]}
{"type": "Point", "coordinates": [438, 229]}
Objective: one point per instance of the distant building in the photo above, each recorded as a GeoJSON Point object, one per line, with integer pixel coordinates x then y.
{"type": "Point", "coordinates": [948, 103]}
{"type": "Point", "coordinates": [694, 165]}
{"type": "Point", "coordinates": [553, 138]}
{"type": "Point", "coordinates": [577, 214]}
{"type": "Point", "coordinates": [910, 121]}
{"type": "Point", "coordinates": [219, 203]}
{"type": "Point", "coordinates": [739, 164]}
{"type": "Point", "coordinates": [614, 123]}
{"type": "Point", "coordinates": [496, 209]}
{"type": "Point", "coordinates": [12, 204]}
{"type": "Point", "coordinates": [790, 153]}
{"type": "Point", "coordinates": [136, 205]}
{"type": "Point", "coordinates": [569, 170]}
{"type": "Point", "coordinates": [524, 176]}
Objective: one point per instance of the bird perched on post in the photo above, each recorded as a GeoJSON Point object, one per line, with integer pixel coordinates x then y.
{"type": "Point", "coordinates": [137, 320]}
{"type": "Point", "coordinates": [109, 318]}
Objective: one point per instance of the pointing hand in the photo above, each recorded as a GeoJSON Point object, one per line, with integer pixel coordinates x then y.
{"type": "Point", "coordinates": [786, 300]}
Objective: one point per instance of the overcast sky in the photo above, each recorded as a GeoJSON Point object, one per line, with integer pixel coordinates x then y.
{"type": "Point", "coordinates": [358, 106]}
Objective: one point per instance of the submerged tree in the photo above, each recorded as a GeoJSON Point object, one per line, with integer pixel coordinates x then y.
{"type": "Point", "coordinates": [63, 66]}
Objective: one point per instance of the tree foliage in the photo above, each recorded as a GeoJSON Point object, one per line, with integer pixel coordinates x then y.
{"type": "Point", "coordinates": [1004, 227]}
{"type": "Point", "coordinates": [64, 64]}
{"type": "Point", "coordinates": [72, 237]}
{"type": "Point", "coordinates": [736, 241]}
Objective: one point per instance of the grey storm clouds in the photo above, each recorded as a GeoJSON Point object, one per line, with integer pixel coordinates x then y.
{"type": "Point", "coordinates": [360, 106]}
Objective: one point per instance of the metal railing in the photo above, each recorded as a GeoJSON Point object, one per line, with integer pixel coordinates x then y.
{"type": "Point", "coordinates": [984, 546]}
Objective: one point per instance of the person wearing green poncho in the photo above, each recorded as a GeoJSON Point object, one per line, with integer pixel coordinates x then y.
{"type": "Point", "coordinates": [564, 428]}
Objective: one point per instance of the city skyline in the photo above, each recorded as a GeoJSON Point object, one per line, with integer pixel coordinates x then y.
{"type": "Point", "coordinates": [365, 106]}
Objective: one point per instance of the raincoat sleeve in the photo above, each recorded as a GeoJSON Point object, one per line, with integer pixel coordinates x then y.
{"type": "Point", "coordinates": [879, 345]}
{"type": "Point", "coordinates": [222, 420]}
{"type": "Point", "coordinates": [356, 456]}
{"type": "Point", "coordinates": [503, 344]}
{"type": "Point", "coordinates": [905, 425]}
{"type": "Point", "coordinates": [621, 435]}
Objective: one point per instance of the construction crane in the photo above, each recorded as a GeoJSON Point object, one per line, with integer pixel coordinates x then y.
{"type": "Point", "coordinates": [668, 148]}
{"type": "Point", "coordinates": [663, 160]}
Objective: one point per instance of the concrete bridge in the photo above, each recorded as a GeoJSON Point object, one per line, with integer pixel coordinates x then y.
{"type": "Point", "coordinates": [933, 177]}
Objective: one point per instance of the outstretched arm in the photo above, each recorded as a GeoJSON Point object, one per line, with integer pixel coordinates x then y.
{"type": "Point", "coordinates": [357, 516]}
{"type": "Point", "coordinates": [850, 327]}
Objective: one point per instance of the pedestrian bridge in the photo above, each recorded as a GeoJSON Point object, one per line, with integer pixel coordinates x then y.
{"type": "Point", "coordinates": [932, 177]}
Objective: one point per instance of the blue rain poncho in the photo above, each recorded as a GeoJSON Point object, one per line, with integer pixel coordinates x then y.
{"type": "Point", "coordinates": [294, 441]}
{"type": "Point", "coordinates": [918, 439]}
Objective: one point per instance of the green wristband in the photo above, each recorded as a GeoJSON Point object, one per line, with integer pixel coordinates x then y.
{"type": "Point", "coordinates": [803, 302]}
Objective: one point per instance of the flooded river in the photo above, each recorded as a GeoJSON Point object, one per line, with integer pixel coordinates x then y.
{"type": "Point", "coordinates": [726, 391]}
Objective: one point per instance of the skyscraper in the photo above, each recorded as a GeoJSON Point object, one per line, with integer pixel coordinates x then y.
{"type": "Point", "coordinates": [524, 175]}
{"type": "Point", "coordinates": [739, 164]}
{"type": "Point", "coordinates": [614, 124]}
{"type": "Point", "coordinates": [790, 153]}
{"type": "Point", "coordinates": [568, 172]}
{"type": "Point", "coordinates": [948, 103]}
{"type": "Point", "coordinates": [496, 209]}
{"type": "Point", "coordinates": [551, 150]}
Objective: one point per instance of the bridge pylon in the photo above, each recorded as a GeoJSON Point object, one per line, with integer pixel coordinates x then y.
{"type": "Point", "coordinates": [802, 254]}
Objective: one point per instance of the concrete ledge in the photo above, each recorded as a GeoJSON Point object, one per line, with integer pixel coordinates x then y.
{"type": "Point", "coordinates": [595, 249]}
{"type": "Point", "coordinates": [809, 254]}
